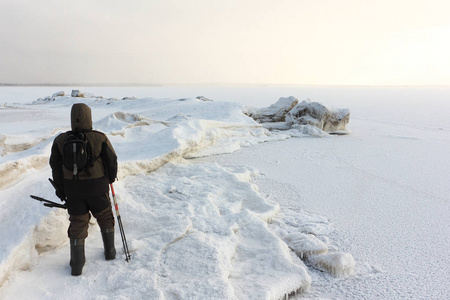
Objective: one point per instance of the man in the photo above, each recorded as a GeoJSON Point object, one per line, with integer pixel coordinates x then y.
{"type": "Point", "coordinates": [85, 188]}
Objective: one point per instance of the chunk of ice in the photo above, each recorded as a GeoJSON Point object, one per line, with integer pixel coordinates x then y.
{"type": "Point", "coordinates": [305, 244]}
{"type": "Point", "coordinates": [338, 264]}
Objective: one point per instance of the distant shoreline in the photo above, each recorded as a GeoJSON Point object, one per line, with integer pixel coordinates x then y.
{"type": "Point", "coordinates": [216, 85]}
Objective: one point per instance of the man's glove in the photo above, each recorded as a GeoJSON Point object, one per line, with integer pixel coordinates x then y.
{"type": "Point", "coordinates": [60, 194]}
{"type": "Point", "coordinates": [58, 191]}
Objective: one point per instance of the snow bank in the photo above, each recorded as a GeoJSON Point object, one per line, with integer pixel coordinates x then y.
{"type": "Point", "coordinates": [307, 235]}
{"type": "Point", "coordinates": [48, 235]}
{"type": "Point", "coordinates": [24, 161]}
{"type": "Point", "coordinates": [11, 171]}
{"type": "Point", "coordinates": [195, 231]}
{"type": "Point", "coordinates": [145, 143]}
{"type": "Point", "coordinates": [51, 231]}
{"type": "Point", "coordinates": [219, 228]}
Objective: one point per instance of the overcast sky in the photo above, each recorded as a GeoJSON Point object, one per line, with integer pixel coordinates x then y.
{"type": "Point", "coordinates": [348, 42]}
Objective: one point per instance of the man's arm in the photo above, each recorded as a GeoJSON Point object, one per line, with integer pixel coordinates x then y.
{"type": "Point", "coordinates": [109, 159]}
{"type": "Point", "coordinates": [57, 172]}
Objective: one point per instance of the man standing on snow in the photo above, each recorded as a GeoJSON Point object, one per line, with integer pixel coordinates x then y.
{"type": "Point", "coordinates": [85, 188]}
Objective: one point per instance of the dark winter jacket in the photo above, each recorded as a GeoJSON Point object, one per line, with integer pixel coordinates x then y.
{"type": "Point", "coordinates": [95, 179]}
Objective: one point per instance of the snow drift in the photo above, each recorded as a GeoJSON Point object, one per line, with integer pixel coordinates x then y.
{"type": "Point", "coordinates": [195, 230]}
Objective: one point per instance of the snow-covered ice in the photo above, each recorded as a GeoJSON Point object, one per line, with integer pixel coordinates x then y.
{"type": "Point", "coordinates": [287, 113]}
{"type": "Point", "coordinates": [277, 213]}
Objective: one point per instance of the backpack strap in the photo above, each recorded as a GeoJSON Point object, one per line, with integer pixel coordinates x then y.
{"type": "Point", "coordinates": [74, 151]}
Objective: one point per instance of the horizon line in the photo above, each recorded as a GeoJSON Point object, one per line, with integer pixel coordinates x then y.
{"type": "Point", "coordinates": [216, 85]}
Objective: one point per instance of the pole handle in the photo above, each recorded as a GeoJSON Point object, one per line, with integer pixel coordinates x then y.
{"type": "Point", "coordinates": [112, 190]}
{"type": "Point", "coordinates": [116, 206]}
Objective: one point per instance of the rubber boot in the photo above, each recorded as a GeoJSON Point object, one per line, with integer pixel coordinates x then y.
{"type": "Point", "coordinates": [77, 258]}
{"type": "Point", "coordinates": [108, 243]}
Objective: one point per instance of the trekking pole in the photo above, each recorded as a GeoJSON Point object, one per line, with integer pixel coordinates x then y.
{"type": "Point", "coordinates": [119, 221]}
{"type": "Point", "coordinates": [49, 203]}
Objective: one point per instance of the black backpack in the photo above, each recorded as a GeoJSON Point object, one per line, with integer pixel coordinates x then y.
{"type": "Point", "coordinates": [77, 153]}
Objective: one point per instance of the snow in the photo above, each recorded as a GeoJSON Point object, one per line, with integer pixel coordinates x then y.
{"type": "Point", "coordinates": [216, 206]}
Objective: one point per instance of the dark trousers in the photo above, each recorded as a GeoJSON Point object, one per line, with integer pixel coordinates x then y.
{"type": "Point", "coordinates": [99, 206]}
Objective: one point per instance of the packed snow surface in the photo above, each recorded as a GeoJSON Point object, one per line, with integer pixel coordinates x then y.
{"type": "Point", "coordinates": [216, 206]}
